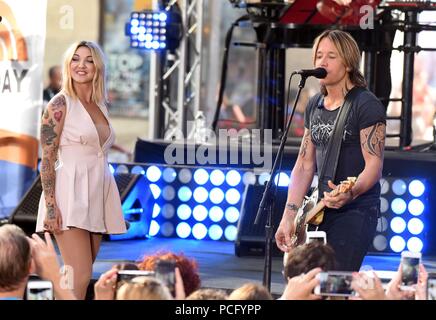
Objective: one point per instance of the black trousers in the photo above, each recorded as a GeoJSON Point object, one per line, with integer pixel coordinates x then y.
{"type": "Point", "coordinates": [350, 233]}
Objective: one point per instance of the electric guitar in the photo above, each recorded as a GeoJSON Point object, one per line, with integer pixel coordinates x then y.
{"type": "Point", "coordinates": [312, 211]}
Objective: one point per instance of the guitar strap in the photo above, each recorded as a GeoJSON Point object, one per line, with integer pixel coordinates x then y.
{"type": "Point", "coordinates": [330, 163]}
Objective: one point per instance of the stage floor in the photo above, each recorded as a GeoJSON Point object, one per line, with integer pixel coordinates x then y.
{"type": "Point", "coordinates": [218, 265]}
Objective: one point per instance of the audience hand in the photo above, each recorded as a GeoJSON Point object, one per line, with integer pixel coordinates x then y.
{"type": "Point", "coordinates": [301, 287]}
{"type": "Point", "coordinates": [105, 287]}
{"type": "Point", "coordinates": [393, 291]}
{"type": "Point", "coordinates": [421, 287]}
{"type": "Point", "coordinates": [179, 286]}
{"type": "Point", "coordinates": [367, 287]}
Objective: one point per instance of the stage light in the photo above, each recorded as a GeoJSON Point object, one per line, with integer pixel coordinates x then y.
{"type": "Point", "coordinates": [230, 233]}
{"type": "Point", "coordinates": [398, 206]}
{"type": "Point", "coordinates": [155, 191]}
{"type": "Point", "coordinates": [397, 244]}
{"type": "Point", "coordinates": [199, 213]}
{"type": "Point", "coordinates": [153, 174]}
{"type": "Point", "coordinates": [232, 214]}
{"type": "Point", "coordinates": [168, 211]}
{"type": "Point", "coordinates": [380, 242]}
{"type": "Point", "coordinates": [200, 195]}
{"type": "Point", "coordinates": [169, 175]}
{"type": "Point", "coordinates": [398, 225]}
{"type": "Point", "coordinates": [233, 178]}
{"type": "Point", "coordinates": [416, 188]}
{"type": "Point", "coordinates": [216, 214]}
{"type": "Point", "coordinates": [233, 196]}
{"type": "Point", "coordinates": [167, 229]}
{"type": "Point", "coordinates": [157, 22]}
{"type": "Point", "coordinates": [263, 178]}
{"type": "Point", "coordinates": [156, 210]}
{"type": "Point", "coordinates": [382, 224]}
{"type": "Point", "coordinates": [139, 170]}
{"type": "Point", "coordinates": [122, 169]}
{"type": "Point", "coordinates": [215, 232]}
{"type": "Point", "coordinates": [111, 168]}
{"type": "Point", "coordinates": [415, 226]}
{"type": "Point", "coordinates": [184, 194]}
{"type": "Point", "coordinates": [184, 212]}
{"type": "Point", "coordinates": [199, 231]}
{"type": "Point", "coordinates": [201, 176]}
{"type": "Point", "coordinates": [216, 196]}
{"type": "Point", "coordinates": [154, 228]}
{"type": "Point", "coordinates": [384, 205]}
{"type": "Point", "coordinates": [217, 177]}
{"type": "Point", "coordinates": [183, 230]}
{"type": "Point", "coordinates": [384, 186]}
{"type": "Point", "coordinates": [185, 176]}
{"type": "Point", "coordinates": [415, 244]}
{"type": "Point", "coordinates": [399, 187]}
{"type": "Point", "coordinates": [168, 193]}
{"type": "Point", "coordinates": [282, 179]}
{"type": "Point", "coordinates": [249, 178]}
{"type": "Point", "coordinates": [416, 207]}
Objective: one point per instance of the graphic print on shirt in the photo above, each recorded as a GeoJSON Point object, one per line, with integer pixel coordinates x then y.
{"type": "Point", "coordinates": [321, 131]}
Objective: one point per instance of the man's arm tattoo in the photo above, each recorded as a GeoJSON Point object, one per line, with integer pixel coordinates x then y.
{"type": "Point", "coordinates": [373, 139]}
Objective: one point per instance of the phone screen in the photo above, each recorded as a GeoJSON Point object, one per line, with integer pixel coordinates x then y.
{"type": "Point", "coordinates": [332, 284]}
{"type": "Point", "coordinates": [431, 288]}
{"type": "Point", "coordinates": [39, 290]}
{"type": "Point", "coordinates": [165, 271]}
{"type": "Point", "coordinates": [409, 270]}
{"type": "Point", "coordinates": [124, 276]}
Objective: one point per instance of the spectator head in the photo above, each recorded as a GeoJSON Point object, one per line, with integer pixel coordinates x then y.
{"type": "Point", "coordinates": [15, 259]}
{"type": "Point", "coordinates": [143, 288]}
{"type": "Point", "coordinates": [125, 266]}
{"type": "Point", "coordinates": [307, 257]}
{"type": "Point", "coordinates": [251, 291]}
{"type": "Point", "coordinates": [208, 294]}
{"type": "Point", "coordinates": [188, 268]}
{"type": "Point", "coordinates": [55, 77]}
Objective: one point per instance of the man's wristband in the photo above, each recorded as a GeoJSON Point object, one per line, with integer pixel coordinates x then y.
{"type": "Point", "coordinates": [292, 207]}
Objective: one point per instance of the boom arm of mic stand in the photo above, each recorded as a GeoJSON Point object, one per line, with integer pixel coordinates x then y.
{"type": "Point", "coordinates": [267, 200]}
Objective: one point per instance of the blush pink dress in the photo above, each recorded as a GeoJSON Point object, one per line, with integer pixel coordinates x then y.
{"type": "Point", "coordinates": [86, 191]}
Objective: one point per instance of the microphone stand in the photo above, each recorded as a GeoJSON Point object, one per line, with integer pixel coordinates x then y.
{"type": "Point", "coordinates": [267, 201]}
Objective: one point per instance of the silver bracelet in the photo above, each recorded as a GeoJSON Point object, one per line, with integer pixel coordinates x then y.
{"type": "Point", "coordinates": [292, 207]}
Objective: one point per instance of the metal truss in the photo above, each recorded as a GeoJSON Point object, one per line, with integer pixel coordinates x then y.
{"type": "Point", "coordinates": [175, 77]}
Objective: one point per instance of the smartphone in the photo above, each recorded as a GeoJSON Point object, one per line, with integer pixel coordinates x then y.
{"type": "Point", "coordinates": [320, 236]}
{"type": "Point", "coordinates": [39, 290]}
{"type": "Point", "coordinates": [124, 276]}
{"type": "Point", "coordinates": [431, 287]}
{"type": "Point", "coordinates": [409, 269]}
{"type": "Point", "coordinates": [165, 271]}
{"type": "Point", "coordinates": [337, 284]}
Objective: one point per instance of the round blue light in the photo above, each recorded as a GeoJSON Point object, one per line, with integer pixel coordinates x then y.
{"type": "Point", "coordinates": [156, 210]}
{"type": "Point", "coordinates": [416, 188]}
{"type": "Point", "coordinates": [282, 178]}
{"type": "Point", "coordinates": [167, 229]}
{"type": "Point", "coordinates": [199, 231]}
{"type": "Point", "coordinates": [232, 214]}
{"type": "Point", "coordinates": [399, 187]}
{"type": "Point", "coordinates": [215, 232]}
{"type": "Point", "coordinates": [134, 30]}
{"type": "Point", "coordinates": [148, 45]}
{"type": "Point", "coordinates": [199, 213]}
{"type": "Point", "coordinates": [230, 233]}
{"type": "Point", "coordinates": [156, 16]}
{"type": "Point", "coordinates": [185, 175]}
{"type": "Point", "coordinates": [169, 175]}
{"type": "Point", "coordinates": [200, 195]}
{"type": "Point", "coordinates": [216, 196]}
{"type": "Point", "coordinates": [415, 226]}
{"type": "Point", "coordinates": [168, 211]}
{"type": "Point", "coordinates": [155, 45]}
{"type": "Point", "coordinates": [142, 30]}
{"type": "Point", "coordinates": [249, 178]}
{"type": "Point", "coordinates": [183, 230]}
{"type": "Point", "coordinates": [155, 190]}
{"type": "Point", "coordinates": [233, 178]}
{"type": "Point", "coordinates": [163, 16]}
{"type": "Point", "coordinates": [398, 225]}
{"type": "Point", "coordinates": [111, 168]}
{"type": "Point", "coordinates": [168, 193]}
{"type": "Point", "coordinates": [398, 206]}
{"type": "Point", "coordinates": [154, 228]}
{"type": "Point", "coordinates": [184, 194]}
{"type": "Point", "coordinates": [397, 243]}
{"type": "Point", "coordinates": [233, 196]}
{"type": "Point", "coordinates": [137, 170]}
{"type": "Point", "coordinates": [264, 177]}
{"type": "Point", "coordinates": [184, 212]}
{"type": "Point", "coordinates": [201, 176]}
{"type": "Point", "coordinates": [416, 207]}
{"type": "Point", "coordinates": [217, 177]}
{"type": "Point", "coordinates": [153, 173]}
{"type": "Point", "coordinates": [163, 45]}
{"type": "Point", "coordinates": [134, 22]}
{"type": "Point", "coordinates": [216, 214]}
{"type": "Point", "coordinates": [415, 244]}
{"type": "Point", "coordinates": [148, 37]}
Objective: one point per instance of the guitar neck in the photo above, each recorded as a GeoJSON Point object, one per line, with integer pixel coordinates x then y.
{"type": "Point", "coordinates": [319, 206]}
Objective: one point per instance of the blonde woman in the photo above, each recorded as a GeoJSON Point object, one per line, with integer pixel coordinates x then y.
{"type": "Point", "coordinates": [80, 199]}
{"type": "Point", "coordinates": [143, 288]}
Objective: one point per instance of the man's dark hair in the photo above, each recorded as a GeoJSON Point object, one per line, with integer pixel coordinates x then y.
{"type": "Point", "coordinates": [309, 256]}
{"type": "Point", "coordinates": [52, 70]}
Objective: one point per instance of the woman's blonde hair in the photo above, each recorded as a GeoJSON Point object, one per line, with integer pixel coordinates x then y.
{"type": "Point", "coordinates": [348, 51]}
{"type": "Point", "coordinates": [98, 82]}
{"type": "Point", "coordinates": [143, 288]}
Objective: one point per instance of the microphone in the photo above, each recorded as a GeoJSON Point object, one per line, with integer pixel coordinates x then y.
{"type": "Point", "coordinates": [319, 73]}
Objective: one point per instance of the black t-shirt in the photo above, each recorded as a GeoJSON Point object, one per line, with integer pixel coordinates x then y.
{"type": "Point", "coordinates": [365, 112]}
